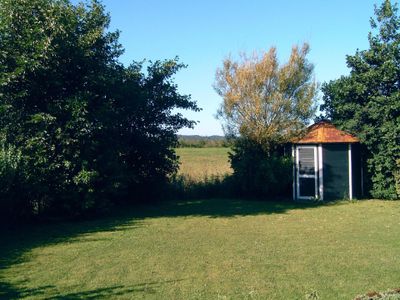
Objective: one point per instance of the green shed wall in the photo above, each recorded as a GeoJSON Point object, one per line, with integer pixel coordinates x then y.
{"type": "Point", "coordinates": [356, 167]}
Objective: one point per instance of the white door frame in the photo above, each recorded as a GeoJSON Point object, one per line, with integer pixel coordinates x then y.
{"type": "Point", "coordinates": [320, 172]}
{"type": "Point", "coordinates": [306, 176]}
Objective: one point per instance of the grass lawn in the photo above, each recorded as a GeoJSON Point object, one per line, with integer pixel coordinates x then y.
{"type": "Point", "coordinates": [211, 249]}
{"type": "Point", "coordinates": [200, 162]}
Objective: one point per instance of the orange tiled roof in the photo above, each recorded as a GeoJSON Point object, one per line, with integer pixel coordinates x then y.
{"type": "Point", "coordinates": [325, 132]}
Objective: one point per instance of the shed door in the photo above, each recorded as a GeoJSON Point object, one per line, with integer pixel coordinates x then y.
{"type": "Point", "coordinates": [306, 172]}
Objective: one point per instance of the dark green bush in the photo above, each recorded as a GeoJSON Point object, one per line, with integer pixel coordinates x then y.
{"type": "Point", "coordinates": [259, 172]}
{"type": "Point", "coordinates": [397, 178]}
{"type": "Point", "coordinates": [14, 201]}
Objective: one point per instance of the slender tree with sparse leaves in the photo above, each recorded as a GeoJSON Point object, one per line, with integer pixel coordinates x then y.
{"type": "Point", "coordinates": [265, 105]}
{"type": "Point", "coordinates": [265, 101]}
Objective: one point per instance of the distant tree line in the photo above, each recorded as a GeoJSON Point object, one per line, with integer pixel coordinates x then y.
{"type": "Point", "coordinates": [79, 131]}
{"type": "Point", "coordinates": [196, 141]}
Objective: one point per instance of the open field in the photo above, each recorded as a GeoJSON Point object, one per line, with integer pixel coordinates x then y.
{"type": "Point", "coordinates": [211, 249]}
{"type": "Point", "coordinates": [198, 163]}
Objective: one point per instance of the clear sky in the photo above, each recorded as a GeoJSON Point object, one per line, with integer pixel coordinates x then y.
{"type": "Point", "coordinates": [203, 32]}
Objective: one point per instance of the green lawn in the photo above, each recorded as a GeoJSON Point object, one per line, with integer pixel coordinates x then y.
{"type": "Point", "coordinates": [199, 163]}
{"type": "Point", "coordinates": [211, 249]}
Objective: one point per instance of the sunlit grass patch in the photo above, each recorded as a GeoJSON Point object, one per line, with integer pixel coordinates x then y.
{"type": "Point", "coordinates": [200, 163]}
{"type": "Point", "coordinates": [205, 249]}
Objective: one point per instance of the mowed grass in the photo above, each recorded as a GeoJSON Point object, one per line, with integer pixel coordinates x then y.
{"type": "Point", "coordinates": [211, 249]}
{"type": "Point", "coordinates": [199, 163]}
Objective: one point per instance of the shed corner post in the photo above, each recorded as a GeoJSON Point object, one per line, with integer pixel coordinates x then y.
{"type": "Point", "coordinates": [293, 173]}
{"type": "Point", "coordinates": [350, 174]}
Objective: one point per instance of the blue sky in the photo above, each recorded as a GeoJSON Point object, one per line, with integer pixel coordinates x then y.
{"type": "Point", "coordinates": [203, 32]}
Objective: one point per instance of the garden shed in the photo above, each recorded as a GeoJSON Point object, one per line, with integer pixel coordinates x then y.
{"type": "Point", "coordinates": [327, 164]}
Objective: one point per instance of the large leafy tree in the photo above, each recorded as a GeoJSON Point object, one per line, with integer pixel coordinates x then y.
{"type": "Point", "coordinates": [145, 124]}
{"type": "Point", "coordinates": [85, 127]}
{"type": "Point", "coordinates": [56, 64]}
{"type": "Point", "coordinates": [367, 102]}
{"type": "Point", "coordinates": [264, 101]}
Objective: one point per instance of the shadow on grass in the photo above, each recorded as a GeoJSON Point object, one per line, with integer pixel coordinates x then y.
{"type": "Point", "coordinates": [17, 243]}
{"type": "Point", "coordinates": [216, 208]}
{"type": "Point", "coordinates": [8, 291]}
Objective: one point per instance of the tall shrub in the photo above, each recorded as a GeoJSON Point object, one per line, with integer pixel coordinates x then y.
{"type": "Point", "coordinates": [367, 102]}
{"type": "Point", "coordinates": [258, 172]}
{"type": "Point", "coordinates": [89, 130]}
{"type": "Point", "coordinates": [11, 183]}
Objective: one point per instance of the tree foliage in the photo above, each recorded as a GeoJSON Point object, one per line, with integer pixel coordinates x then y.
{"type": "Point", "coordinates": [367, 102]}
{"type": "Point", "coordinates": [264, 101]}
{"type": "Point", "coordinates": [265, 104]}
{"type": "Point", "coordinates": [87, 129]}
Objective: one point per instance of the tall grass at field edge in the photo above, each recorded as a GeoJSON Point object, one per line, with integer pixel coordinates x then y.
{"type": "Point", "coordinates": [183, 186]}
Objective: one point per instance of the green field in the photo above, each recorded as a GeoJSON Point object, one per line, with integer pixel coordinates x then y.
{"type": "Point", "coordinates": [198, 163]}
{"type": "Point", "coordinates": [211, 249]}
